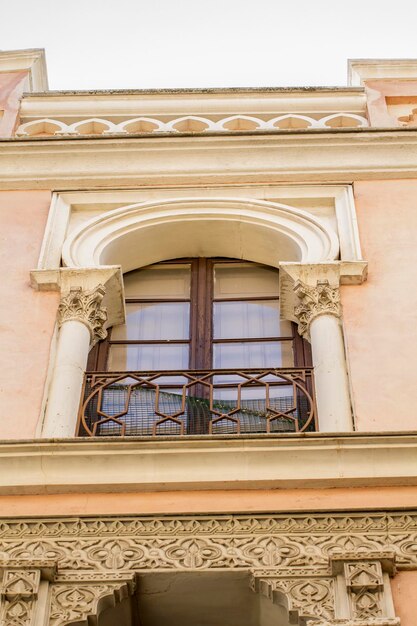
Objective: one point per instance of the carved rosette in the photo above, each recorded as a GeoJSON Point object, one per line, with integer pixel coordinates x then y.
{"type": "Point", "coordinates": [314, 301]}
{"type": "Point", "coordinates": [85, 307]}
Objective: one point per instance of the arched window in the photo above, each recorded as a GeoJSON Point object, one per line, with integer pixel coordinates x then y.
{"type": "Point", "coordinates": [202, 314]}
{"type": "Point", "coordinates": [203, 350]}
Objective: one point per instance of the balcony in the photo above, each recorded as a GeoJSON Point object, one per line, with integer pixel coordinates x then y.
{"type": "Point", "coordinates": [203, 402]}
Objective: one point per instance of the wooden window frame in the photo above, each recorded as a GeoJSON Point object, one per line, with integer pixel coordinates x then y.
{"type": "Point", "coordinates": [201, 339]}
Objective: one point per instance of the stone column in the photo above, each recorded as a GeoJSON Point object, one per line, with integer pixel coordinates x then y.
{"type": "Point", "coordinates": [318, 314]}
{"type": "Point", "coordinates": [81, 319]}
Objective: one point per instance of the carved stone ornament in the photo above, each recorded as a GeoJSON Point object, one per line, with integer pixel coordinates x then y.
{"type": "Point", "coordinates": [85, 307]}
{"type": "Point", "coordinates": [18, 595]}
{"type": "Point", "coordinates": [307, 599]}
{"type": "Point", "coordinates": [77, 601]}
{"type": "Point", "coordinates": [324, 570]}
{"type": "Point", "coordinates": [314, 301]}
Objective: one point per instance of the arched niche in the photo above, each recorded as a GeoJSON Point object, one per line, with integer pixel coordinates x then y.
{"type": "Point", "coordinates": [149, 232]}
{"type": "Point", "coordinates": [196, 598]}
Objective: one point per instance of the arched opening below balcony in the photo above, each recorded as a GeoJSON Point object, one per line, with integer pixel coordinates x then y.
{"type": "Point", "coordinates": [195, 599]}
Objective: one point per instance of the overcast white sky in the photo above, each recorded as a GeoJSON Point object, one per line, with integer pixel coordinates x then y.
{"type": "Point", "coordinates": [139, 44]}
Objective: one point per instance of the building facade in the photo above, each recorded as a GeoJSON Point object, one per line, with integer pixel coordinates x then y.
{"type": "Point", "coordinates": [208, 352]}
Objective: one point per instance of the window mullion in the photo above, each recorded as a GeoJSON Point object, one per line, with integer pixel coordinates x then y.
{"type": "Point", "coordinates": [201, 314]}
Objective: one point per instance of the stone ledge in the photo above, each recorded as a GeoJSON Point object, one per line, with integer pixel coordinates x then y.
{"type": "Point", "coordinates": [283, 462]}
{"type": "Point", "coordinates": [262, 158]}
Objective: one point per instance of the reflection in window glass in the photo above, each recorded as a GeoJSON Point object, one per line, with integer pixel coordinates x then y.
{"type": "Point", "coordinates": [148, 357]}
{"type": "Point", "coordinates": [159, 281]}
{"type": "Point", "coordinates": [235, 320]}
{"type": "Point", "coordinates": [236, 280]}
{"type": "Point", "coordinates": [154, 320]}
{"type": "Point", "coordinates": [253, 354]}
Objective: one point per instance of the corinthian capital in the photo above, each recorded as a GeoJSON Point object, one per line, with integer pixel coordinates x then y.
{"type": "Point", "coordinates": [85, 307]}
{"type": "Point", "coordinates": [314, 301]}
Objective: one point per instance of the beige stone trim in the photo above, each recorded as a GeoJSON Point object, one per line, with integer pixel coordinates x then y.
{"type": "Point", "coordinates": [199, 124]}
{"type": "Point", "coordinates": [307, 461]}
{"type": "Point", "coordinates": [332, 206]}
{"type": "Point", "coordinates": [332, 570]}
{"type": "Point", "coordinates": [334, 272]}
{"type": "Point", "coordinates": [281, 157]}
{"type": "Point", "coordinates": [361, 70]}
{"type": "Point", "coordinates": [246, 228]}
{"type": "Point", "coordinates": [88, 278]}
{"type": "Point", "coordinates": [32, 60]}
{"type": "Point", "coordinates": [175, 103]}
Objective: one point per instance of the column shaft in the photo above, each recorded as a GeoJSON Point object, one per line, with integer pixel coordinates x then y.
{"type": "Point", "coordinates": [64, 394]}
{"type": "Point", "coordinates": [81, 318]}
{"type": "Point", "coordinates": [332, 388]}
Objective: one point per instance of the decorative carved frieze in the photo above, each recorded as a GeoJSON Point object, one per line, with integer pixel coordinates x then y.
{"type": "Point", "coordinates": [354, 592]}
{"type": "Point", "coordinates": [328, 570]}
{"type": "Point", "coordinates": [85, 307]}
{"type": "Point", "coordinates": [307, 598]}
{"type": "Point", "coordinates": [314, 301]}
{"type": "Point", "coordinates": [349, 622]}
{"type": "Point", "coordinates": [77, 601]}
{"type": "Point", "coordinates": [238, 542]}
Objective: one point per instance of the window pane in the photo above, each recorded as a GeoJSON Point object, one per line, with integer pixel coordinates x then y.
{"type": "Point", "coordinates": [156, 320]}
{"type": "Point", "coordinates": [253, 354]}
{"type": "Point", "coordinates": [241, 280]}
{"type": "Point", "coordinates": [163, 281]}
{"type": "Point", "coordinates": [235, 320]}
{"type": "Point", "coordinates": [150, 357]}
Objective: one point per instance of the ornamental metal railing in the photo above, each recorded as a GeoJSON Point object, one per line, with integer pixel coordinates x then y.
{"type": "Point", "coordinates": [189, 402]}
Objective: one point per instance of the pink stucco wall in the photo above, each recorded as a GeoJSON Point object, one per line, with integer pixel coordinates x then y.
{"type": "Point", "coordinates": [26, 317]}
{"type": "Point", "coordinates": [404, 592]}
{"type": "Point", "coordinates": [209, 501]}
{"type": "Point", "coordinates": [12, 85]}
{"type": "Point", "coordinates": [377, 92]}
{"type": "Point", "coordinates": [380, 316]}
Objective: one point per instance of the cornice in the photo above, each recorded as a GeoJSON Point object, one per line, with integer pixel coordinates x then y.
{"type": "Point", "coordinates": [197, 135]}
{"type": "Point", "coordinates": [309, 461]}
{"type": "Point", "coordinates": [171, 104]}
{"type": "Point", "coordinates": [197, 90]}
{"type": "Point", "coordinates": [259, 157]}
